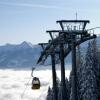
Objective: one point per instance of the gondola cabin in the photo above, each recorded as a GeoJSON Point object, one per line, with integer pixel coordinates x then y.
{"type": "Point", "coordinates": [35, 83]}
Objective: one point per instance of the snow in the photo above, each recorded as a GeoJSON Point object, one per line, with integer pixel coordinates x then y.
{"type": "Point", "coordinates": [16, 84]}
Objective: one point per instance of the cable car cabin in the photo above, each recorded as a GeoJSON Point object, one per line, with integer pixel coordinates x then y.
{"type": "Point", "coordinates": [35, 83]}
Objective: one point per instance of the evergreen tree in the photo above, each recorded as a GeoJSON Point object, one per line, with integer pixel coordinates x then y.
{"type": "Point", "coordinates": [88, 83]}
{"type": "Point", "coordinates": [67, 88]}
{"type": "Point", "coordinates": [79, 64]}
{"type": "Point", "coordinates": [49, 94]}
{"type": "Point", "coordinates": [60, 94]}
{"type": "Point", "coordinates": [96, 66]}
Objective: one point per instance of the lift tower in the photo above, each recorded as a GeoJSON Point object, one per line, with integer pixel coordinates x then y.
{"type": "Point", "coordinates": [76, 31]}
{"type": "Point", "coordinates": [72, 34]}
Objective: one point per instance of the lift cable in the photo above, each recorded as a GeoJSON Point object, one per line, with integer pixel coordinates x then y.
{"type": "Point", "coordinates": [93, 28]}
{"type": "Point", "coordinates": [22, 95]}
{"type": "Point", "coordinates": [33, 68]}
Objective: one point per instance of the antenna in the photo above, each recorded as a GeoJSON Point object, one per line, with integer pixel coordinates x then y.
{"type": "Point", "coordinates": [76, 15]}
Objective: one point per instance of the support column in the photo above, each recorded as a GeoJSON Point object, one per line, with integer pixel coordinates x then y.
{"type": "Point", "coordinates": [63, 84]}
{"type": "Point", "coordinates": [55, 96]}
{"type": "Point", "coordinates": [74, 73]}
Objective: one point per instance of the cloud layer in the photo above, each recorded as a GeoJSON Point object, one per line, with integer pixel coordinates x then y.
{"type": "Point", "coordinates": [13, 84]}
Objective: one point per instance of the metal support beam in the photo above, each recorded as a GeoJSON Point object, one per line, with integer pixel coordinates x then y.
{"type": "Point", "coordinates": [54, 77]}
{"type": "Point", "coordinates": [74, 75]}
{"type": "Point", "coordinates": [63, 85]}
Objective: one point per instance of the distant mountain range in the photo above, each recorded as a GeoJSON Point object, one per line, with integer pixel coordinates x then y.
{"type": "Point", "coordinates": [24, 54]}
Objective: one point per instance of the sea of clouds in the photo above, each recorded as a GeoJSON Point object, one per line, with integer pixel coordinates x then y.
{"type": "Point", "coordinates": [16, 84]}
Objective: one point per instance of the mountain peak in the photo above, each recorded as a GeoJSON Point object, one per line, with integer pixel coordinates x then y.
{"type": "Point", "coordinates": [26, 45]}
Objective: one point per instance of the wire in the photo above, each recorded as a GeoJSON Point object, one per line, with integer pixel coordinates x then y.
{"type": "Point", "coordinates": [33, 68]}
{"type": "Point", "coordinates": [93, 28]}
{"type": "Point", "coordinates": [22, 95]}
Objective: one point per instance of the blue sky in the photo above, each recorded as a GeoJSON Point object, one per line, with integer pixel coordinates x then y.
{"type": "Point", "coordinates": [27, 20]}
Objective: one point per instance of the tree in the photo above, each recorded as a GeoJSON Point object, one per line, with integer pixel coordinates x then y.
{"type": "Point", "coordinates": [79, 64]}
{"type": "Point", "coordinates": [49, 94]}
{"type": "Point", "coordinates": [88, 83]}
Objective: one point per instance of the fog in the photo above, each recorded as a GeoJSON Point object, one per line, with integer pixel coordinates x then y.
{"type": "Point", "coordinates": [16, 84]}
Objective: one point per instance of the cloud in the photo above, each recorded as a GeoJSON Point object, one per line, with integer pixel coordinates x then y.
{"type": "Point", "coordinates": [12, 87]}
{"type": "Point", "coordinates": [33, 5]}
